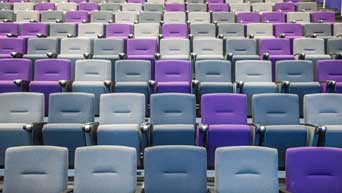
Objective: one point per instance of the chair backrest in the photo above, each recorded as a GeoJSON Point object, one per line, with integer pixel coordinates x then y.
{"type": "Point", "coordinates": [176, 7]}
{"type": "Point", "coordinates": [273, 17]}
{"type": "Point", "coordinates": [71, 108]}
{"type": "Point", "coordinates": [109, 47]}
{"type": "Point", "coordinates": [52, 70]}
{"type": "Point", "coordinates": [241, 46]}
{"type": "Point", "coordinates": [231, 30]}
{"type": "Point", "coordinates": [224, 109]}
{"type": "Point", "coordinates": [141, 46]}
{"type": "Point", "coordinates": [26, 16]}
{"type": "Point", "coordinates": [285, 7]}
{"type": "Point", "coordinates": [101, 16]}
{"type": "Point", "coordinates": [240, 7]}
{"type": "Point", "coordinates": [307, 6]}
{"type": "Point", "coordinates": [260, 29]}
{"type": "Point", "coordinates": [334, 46]}
{"type": "Point", "coordinates": [108, 168]}
{"type": "Point", "coordinates": [118, 30]}
{"type": "Point", "coordinates": [329, 70]}
{"type": "Point", "coordinates": [323, 109]}
{"type": "Point", "coordinates": [253, 71]}
{"type": "Point", "coordinates": [44, 6]}
{"type": "Point", "coordinates": [131, 7]}
{"type": "Point", "coordinates": [85, 6]}
{"type": "Point", "coordinates": [218, 7]}
{"type": "Point", "coordinates": [174, 17]}
{"type": "Point", "coordinates": [308, 46]}
{"type": "Point", "coordinates": [246, 17]}
{"type": "Point", "coordinates": [24, 174]}
{"type": "Point", "coordinates": [289, 29]}
{"type": "Point", "coordinates": [14, 69]}
{"type": "Point", "coordinates": [132, 71]}
{"type": "Point", "coordinates": [173, 108]}
{"type": "Point", "coordinates": [199, 17]}
{"type": "Point", "coordinates": [307, 166]}
{"type": "Point", "coordinates": [112, 7]}
{"type": "Point", "coordinates": [213, 71]}
{"type": "Point", "coordinates": [246, 169]}
{"type": "Point", "coordinates": [32, 29]}
{"type": "Point", "coordinates": [262, 7]}
{"type": "Point", "coordinates": [146, 30]}
{"type": "Point", "coordinates": [325, 16]}
{"type": "Point", "coordinates": [150, 17]}
{"type": "Point", "coordinates": [76, 16]}
{"type": "Point", "coordinates": [8, 45]}
{"type": "Point", "coordinates": [67, 6]}
{"type": "Point", "coordinates": [90, 29]}
{"type": "Point", "coordinates": [126, 17]}
{"type": "Point", "coordinates": [42, 45]}
{"type": "Point", "coordinates": [173, 70]}
{"type": "Point", "coordinates": [320, 29]}
{"type": "Point", "coordinates": [6, 28]}
{"type": "Point", "coordinates": [337, 28]}
{"type": "Point", "coordinates": [182, 174]}
{"type": "Point", "coordinates": [62, 29]}
{"type": "Point", "coordinates": [174, 46]}
{"type": "Point", "coordinates": [298, 17]}
{"type": "Point", "coordinates": [75, 46]}
{"type": "Point", "coordinates": [295, 71]}
{"type": "Point", "coordinates": [175, 30]}
{"type": "Point", "coordinates": [275, 109]}
{"type": "Point", "coordinates": [203, 30]}
{"type": "Point", "coordinates": [7, 14]}
{"type": "Point", "coordinates": [277, 46]}
{"type": "Point", "coordinates": [93, 70]}
{"type": "Point", "coordinates": [21, 107]}
{"type": "Point", "coordinates": [208, 46]}
{"type": "Point", "coordinates": [122, 108]}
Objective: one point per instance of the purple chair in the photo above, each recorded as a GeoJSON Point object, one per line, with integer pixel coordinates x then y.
{"type": "Point", "coordinates": [288, 30]}
{"type": "Point", "coordinates": [225, 122]}
{"type": "Point", "coordinates": [9, 45]}
{"type": "Point", "coordinates": [34, 29]}
{"type": "Point", "coordinates": [314, 170]}
{"type": "Point", "coordinates": [9, 28]}
{"type": "Point", "coordinates": [293, 1]}
{"type": "Point", "coordinates": [45, 6]}
{"type": "Point", "coordinates": [173, 76]}
{"type": "Point", "coordinates": [118, 30]}
{"type": "Point", "coordinates": [248, 17]}
{"type": "Point", "coordinates": [323, 17]}
{"type": "Point", "coordinates": [14, 73]}
{"type": "Point", "coordinates": [285, 7]}
{"type": "Point", "coordinates": [178, 30]}
{"type": "Point", "coordinates": [275, 50]}
{"type": "Point", "coordinates": [47, 76]}
{"type": "Point", "coordinates": [215, 1]}
{"type": "Point", "coordinates": [88, 6]}
{"type": "Point", "coordinates": [273, 17]}
{"type": "Point", "coordinates": [218, 7]}
{"type": "Point", "coordinates": [175, 7]}
{"type": "Point", "coordinates": [76, 16]}
{"type": "Point", "coordinates": [329, 74]}
{"type": "Point", "coordinates": [17, 1]}
{"type": "Point", "coordinates": [77, 1]}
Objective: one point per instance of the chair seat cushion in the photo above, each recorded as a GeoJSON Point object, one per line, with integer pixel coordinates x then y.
{"type": "Point", "coordinates": [8, 86]}
{"type": "Point", "coordinates": [179, 87]}
{"type": "Point", "coordinates": [175, 134]}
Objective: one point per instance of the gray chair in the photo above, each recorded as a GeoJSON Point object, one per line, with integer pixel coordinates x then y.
{"type": "Point", "coordinates": [7, 15]}
{"type": "Point", "coordinates": [38, 48]}
{"type": "Point", "coordinates": [254, 77]}
{"type": "Point", "coordinates": [174, 48]}
{"type": "Point", "coordinates": [131, 7]}
{"type": "Point", "coordinates": [146, 30]}
{"type": "Point", "coordinates": [262, 7]}
{"type": "Point", "coordinates": [199, 17]}
{"type": "Point", "coordinates": [38, 169]}
{"type": "Point", "coordinates": [196, 7]}
{"type": "Point", "coordinates": [246, 169]}
{"type": "Point", "coordinates": [297, 77]}
{"type": "Point", "coordinates": [67, 116]}
{"type": "Point", "coordinates": [5, 6]}
{"type": "Point", "coordinates": [105, 169]}
{"type": "Point", "coordinates": [337, 29]}
{"type": "Point", "coordinates": [26, 16]}
{"type": "Point", "coordinates": [334, 47]}
{"type": "Point", "coordinates": [298, 17]}
{"type": "Point", "coordinates": [208, 49]}
{"type": "Point", "coordinates": [307, 6]}
{"type": "Point", "coordinates": [203, 30]}
{"type": "Point", "coordinates": [155, 7]}
{"type": "Point", "coordinates": [277, 117]}
{"type": "Point", "coordinates": [17, 111]}
{"type": "Point", "coordinates": [66, 6]}
{"type": "Point", "coordinates": [23, 6]}
{"type": "Point", "coordinates": [133, 76]}
{"type": "Point", "coordinates": [321, 30]}
{"type": "Point", "coordinates": [62, 30]}
{"type": "Point", "coordinates": [51, 16]}
{"type": "Point", "coordinates": [174, 17]}
{"type": "Point", "coordinates": [240, 7]}
{"type": "Point", "coordinates": [93, 76]}
{"type": "Point", "coordinates": [324, 112]}
{"type": "Point", "coordinates": [112, 7]}
{"type": "Point", "coordinates": [223, 17]}
{"type": "Point", "coordinates": [90, 30]}
{"type": "Point", "coordinates": [260, 30]}
{"type": "Point", "coordinates": [101, 16]}
{"type": "Point", "coordinates": [173, 119]}
{"type": "Point", "coordinates": [213, 76]}
{"type": "Point", "coordinates": [310, 49]}
{"type": "Point", "coordinates": [129, 17]}
{"type": "Point", "coordinates": [150, 17]}
{"type": "Point", "coordinates": [185, 173]}
{"type": "Point", "coordinates": [231, 30]}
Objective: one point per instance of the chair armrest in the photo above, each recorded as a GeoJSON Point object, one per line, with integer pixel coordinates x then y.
{"type": "Point", "coordinates": [10, 35]}
{"type": "Point", "coordinates": [283, 190]}
{"type": "Point", "coordinates": [301, 56]}
{"type": "Point", "coordinates": [37, 132]}
{"type": "Point", "coordinates": [39, 35]}
{"type": "Point", "coordinates": [23, 84]}
{"type": "Point", "coordinates": [160, 36]}
{"type": "Point", "coordinates": [91, 129]}
{"type": "Point", "coordinates": [193, 56]}
{"type": "Point", "coordinates": [229, 56]}
{"type": "Point", "coordinates": [331, 86]}
{"type": "Point", "coordinates": [66, 85]}
{"type": "Point", "coordinates": [211, 190]}
{"type": "Point", "coordinates": [109, 85]}
{"type": "Point", "coordinates": [220, 36]}
{"type": "Point", "coordinates": [100, 36]}
{"type": "Point", "coordinates": [130, 36]}
{"type": "Point", "coordinates": [69, 190]}
{"type": "Point", "coordinates": [17, 55]}
{"type": "Point", "coordinates": [194, 85]}
{"type": "Point", "coordinates": [122, 56]}
{"type": "Point", "coordinates": [251, 36]}
{"type": "Point", "coordinates": [282, 35]}
{"type": "Point", "coordinates": [266, 56]}
{"type": "Point", "coordinates": [87, 55]}
{"type": "Point", "coordinates": [146, 129]}
{"type": "Point", "coordinates": [59, 21]}
{"type": "Point", "coordinates": [70, 36]}
{"type": "Point", "coordinates": [239, 85]}
{"type": "Point", "coordinates": [261, 130]}
{"type": "Point", "coordinates": [157, 56]}
{"type": "Point", "coordinates": [284, 86]}
{"type": "Point", "coordinates": [51, 55]}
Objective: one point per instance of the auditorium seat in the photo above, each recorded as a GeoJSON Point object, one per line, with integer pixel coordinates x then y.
{"type": "Point", "coordinates": [174, 48]}
{"type": "Point", "coordinates": [262, 7]}
{"type": "Point", "coordinates": [109, 49]}
{"type": "Point", "coordinates": [175, 30]}
{"type": "Point", "coordinates": [15, 74]}
{"type": "Point", "coordinates": [285, 7]}
{"type": "Point", "coordinates": [247, 17]}
{"type": "Point", "coordinates": [44, 6]}
{"type": "Point", "coordinates": [207, 49]}
{"type": "Point", "coordinates": [18, 110]}
{"type": "Point", "coordinates": [277, 117]}
{"type": "Point", "coordinates": [310, 49]}
{"type": "Point", "coordinates": [217, 7]}
{"type": "Point", "coordinates": [321, 30]}
{"type": "Point", "coordinates": [185, 174]}
{"type": "Point", "coordinates": [260, 30]}
{"type": "Point", "coordinates": [246, 169]}
{"type": "Point", "coordinates": [298, 17]}
{"type": "Point", "coordinates": [273, 17]}
{"type": "Point", "coordinates": [90, 30]}
{"type": "Point", "coordinates": [173, 119]}
{"type": "Point", "coordinates": [323, 17]}
{"type": "Point", "coordinates": [224, 119]}
{"type": "Point", "coordinates": [7, 15]}
{"type": "Point", "coordinates": [67, 116]}
{"type": "Point", "coordinates": [11, 29]}
{"type": "Point", "coordinates": [150, 17]}
{"type": "Point", "coordinates": [307, 6]}
{"type": "Point", "coordinates": [199, 17]}
{"type": "Point", "coordinates": [39, 169]}
{"type": "Point", "coordinates": [63, 30]}
{"type": "Point", "coordinates": [334, 48]}
{"type": "Point", "coordinates": [11, 46]}
{"type": "Point", "coordinates": [223, 17]}
{"type": "Point", "coordinates": [239, 7]}
{"type": "Point", "coordinates": [288, 30]}
{"type": "Point", "coordinates": [231, 30]}
{"type": "Point", "coordinates": [174, 7]}
{"type": "Point", "coordinates": [39, 48]}
{"type": "Point", "coordinates": [101, 17]}
{"type": "Point", "coordinates": [146, 30]}
{"type": "Point", "coordinates": [202, 30]}
{"type": "Point", "coordinates": [171, 17]}
{"type": "Point", "coordinates": [197, 7]}
{"type": "Point", "coordinates": [329, 75]}
{"type": "Point", "coordinates": [51, 16]}
{"type": "Point", "coordinates": [118, 30]}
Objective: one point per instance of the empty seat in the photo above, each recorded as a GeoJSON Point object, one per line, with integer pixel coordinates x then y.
{"type": "Point", "coordinates": [307, 6]}
{"type": "Point", "coordinates": [218, 7]}
{"type": "Point", "coordinates": [67, 116]}
{"type": "Point", "coordinates": [323, 16]}
{"type": "Point", "coordinates": [245, 17]}
{"type": "Point", "coordinates": [127, 17]}
{"type": "Point", "coordinates": [76, 16]}
{"type": "Point", "coordinates": [28, 30]}
{"type": "Point", "coordinates": [321, 30]}
{"type": "Point", "coordinates": [27, 16]}
{"type": "Point", "coordinates": [49, 77]}
{"type": "Point", "coordinates": [223, 17]}
{"type": "Point", "coordinates": [254, 77]}
{"type": "Point", "coordinates": [240, 7]}
{"type": "Point", "coordinates": [45, 6]}
{"type": "Point", "coordinates": [23, 6]}
{"type": "Point", "coordinates": [174, 17]}
{"type": "Point", "coordinates": [121, 118]}
{"type": "Point", "coordinates": [285, 7]}
{"type": "Point", "coordinates": [213, 76]}
{"type": "Point", "coordinates": [231, 30]}
{"type": "Point", "coordinates": [232, 175]}
{"type": "Point", "coordinates": [41, 47]}
{"type": "Point", "coordinates": [225, 120]}
{"type": "Point", "coordinates": [173, 119]}
{"type": "Point", "coordinates": [310, 49]}
{"type": "Point", "coordinates": [273, 17]}
{"type": "Point", "coordinates": [170, 178]}
{"type": "Point", "coordinates": [15, 73]}
{"type": "Point", "coordinates": [199, 17]}
{"type": "Point", "coordinates": [337, 28]}
{"type": "Point", "coordinates": [91, 76]}
{"type": "Point", "coordinates": [334, 47]}
{"type": "Point", "coordinates": [304, 170]}
{"type": "Point", "coordinates": [11, 45]}
{"type": "Point", "coordinates": [17, 111]}
{"type": "Point", "coordinates": [196, 7]}
{"type": "Point", "coordinates": [174, 30]}
{"type": "Point", "coordinates": [23, 174]}
{"type": "Point", "coordinates": [208, 49]}
{"type": "Point", "coordinates": [5, 6]}
{"type": "Point", "coordinates": [51, 16]}
{"type": "Point", "coordinates": [262, 7]}
{"type": "Point", "coordinates": [101, 17]}
{"type": "Point", "coordinates": [62, 30]}
{"type": "Point", "coordinates": [118, 30]}
{"type": "Point", "coordinates": [67, 6]}
{"type": "Point", "coordinates": [278, 118]}
{"type": "Point", "coordinates": [112, 7]}
{"type": "Point", "coordinates": [329, 75]}
{"type": "Point", "coordinates": [146, 30]}
{"type": "Point", "coordinates": [144, 49]}
{"type": "Point", "coordinates": [84, 6]}
{"type": "Point", "coordinates": [260, 30]}
{"type": "Point", "coordinates": [11, 29]}
{"type": "Point", "coordinates": [176, 7]}
{"type": "Point", "coordinates": [150, 17]}
{"type": "Point", "coordinates": [7, 15]}
{"type": "Point", "coordinates": [109, 49]}
{"type": "Point", "coordinates": [288, 30]}
{"type": "Point", "coordinates": [115, 170]}
{"type": "Point", "coordinates": [90, 30]}
{"type": "Point", "coordinates": [298, 17]}
{"type": "Point", "coordinates": [175, 48]}
{"type": "Point", "coordinates": [131, 7]}
{"type": "Point", "coordinates": [155, 7]}
{"type": "Point", "coordinates": [173, 76]}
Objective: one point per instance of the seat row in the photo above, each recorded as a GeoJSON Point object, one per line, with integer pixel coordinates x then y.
{"type": "Point", "coordinates": [276, 121]}
{"type": "Point", "coordinates": [160, 7]}
{"type": "Point", "coordinates": [107, 168]}
{"type": "Point", "coordinates": [159, 1]}
{"type": "Point", "coordinates": [167, 17]}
